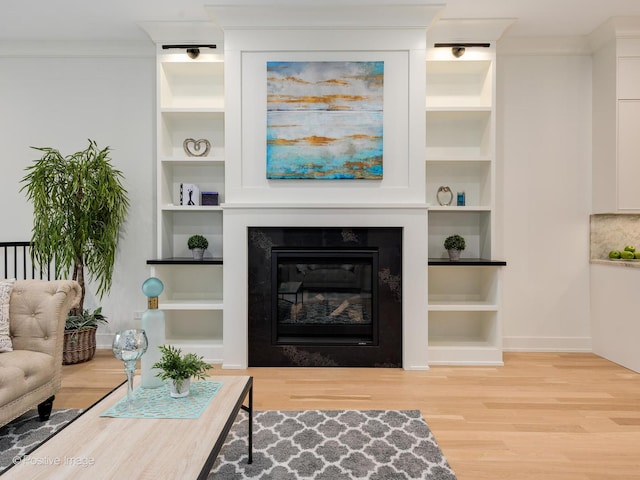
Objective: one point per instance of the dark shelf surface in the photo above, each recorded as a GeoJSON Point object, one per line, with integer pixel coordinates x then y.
{"type": "Point", "coordinates": [185, 261]}
{"type": "Point", "coordinates": [466, 262]}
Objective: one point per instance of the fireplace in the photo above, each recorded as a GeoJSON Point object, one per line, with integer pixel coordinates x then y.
{"type": "Point", "coordinates": [323, 296]}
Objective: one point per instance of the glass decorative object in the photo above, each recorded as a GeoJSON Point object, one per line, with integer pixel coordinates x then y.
{"type": "Point", "coordinates": [129, 346]}
{"type": "Point", "coordinates": [153, 323]}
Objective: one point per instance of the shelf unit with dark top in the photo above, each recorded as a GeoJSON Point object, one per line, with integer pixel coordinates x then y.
{"type": "Point", "coordinates": [190, 105]}
{"type": "Point", "coordinates": [464, 317]}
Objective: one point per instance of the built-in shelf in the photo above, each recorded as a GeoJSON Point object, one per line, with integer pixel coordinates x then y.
{"type": "Point", "coordinates": [197, 305]}
{"type": "Point", "coordinates": [192, 161]}
{"type": "Point", "coordinates": [463, 108]}
{"type": "Point", "coordinates": [188, 208]}
{"type": "Point", "coordinates": [467, 262]}
{"type": "Point", "coordinates": [459, 83]}
{"type": "Point", "coordinates": [464, 295]}
{"type": "Point", "coordinates": [192, 110]}
{"type": "Point", "coordinates": [178, 124]}
{"type": "Point", "coordinates": [455, 208]}
{"type": "Point", "coordinates": [185, 261]}
{"type": "Point", "coordinates": [190, 105]}
{"type": "Point", "coordinates": [458, 132]}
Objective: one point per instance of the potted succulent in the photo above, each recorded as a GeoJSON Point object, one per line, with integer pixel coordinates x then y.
{"type": "Point", "coordinates": [454, 244]}
{"type": "Point", "coordinates": [79, 208]}
{"type": "Point", "coordinates": [178, 369]}
{"type": "Point", "coordinates": [197, 244]}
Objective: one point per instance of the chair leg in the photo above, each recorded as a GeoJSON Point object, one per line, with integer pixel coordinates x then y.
{"type": "Point", "coordinates": [44, 409]}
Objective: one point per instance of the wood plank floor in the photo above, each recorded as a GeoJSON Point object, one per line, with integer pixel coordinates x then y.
{"type": "Point", "coordinates": [549, 416]}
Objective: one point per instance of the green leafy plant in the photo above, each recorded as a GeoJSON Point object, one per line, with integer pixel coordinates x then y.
{"type": "Point", "coordinates": [177, 367]}
{"type": "Point", "coordinates": [85, 320]}
{"type": "Point", "coordinates": [455, 242]}
{"type": "Point", "coordinates": [79, 207]}
{"type": "Point", "coordinates": [197, 241]}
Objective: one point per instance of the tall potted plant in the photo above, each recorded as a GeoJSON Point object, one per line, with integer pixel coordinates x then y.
{"type": "Point", "coordinates": [79, 208]}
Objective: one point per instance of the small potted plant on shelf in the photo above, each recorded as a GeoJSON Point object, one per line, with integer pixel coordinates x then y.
{"type": "Point", "coordinates": [454, 245]}
{"type": "Point", "coordinates": [178, 369]}
{"type": "Point", "coordinates": [197, 244]}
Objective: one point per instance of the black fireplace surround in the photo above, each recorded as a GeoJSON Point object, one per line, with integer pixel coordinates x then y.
{"type": "Point", "coordinates": [325, 296]}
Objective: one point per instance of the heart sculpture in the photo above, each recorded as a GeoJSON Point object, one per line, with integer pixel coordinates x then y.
{"type": "Point", "coordinates": [192, 147]}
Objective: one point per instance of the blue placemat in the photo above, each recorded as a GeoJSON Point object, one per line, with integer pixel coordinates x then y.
{"type": "Point", "coordinates": [157, 403]}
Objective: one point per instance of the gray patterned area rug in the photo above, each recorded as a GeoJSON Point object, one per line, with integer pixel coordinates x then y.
{"type": "Point", "coordinates": [311, 444]}
{"type": "Point", "coordinates": [27, 432]}
{"type": "Point", "coordinates": [333, 445]}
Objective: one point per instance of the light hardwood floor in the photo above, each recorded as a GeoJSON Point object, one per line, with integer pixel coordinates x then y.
{"type": "Point", "coordinates": [549, 416]}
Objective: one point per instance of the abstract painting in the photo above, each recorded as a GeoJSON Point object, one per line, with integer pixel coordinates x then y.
{"type": "Point", "coordinates": [324, 120]}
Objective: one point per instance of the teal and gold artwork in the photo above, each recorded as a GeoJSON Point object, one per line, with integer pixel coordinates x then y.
{"type": "Point", "coordinates": [324, 120]}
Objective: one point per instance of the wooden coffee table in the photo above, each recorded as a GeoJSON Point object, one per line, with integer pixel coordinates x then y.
{"type": "Point", "coordinates": [96, 447]}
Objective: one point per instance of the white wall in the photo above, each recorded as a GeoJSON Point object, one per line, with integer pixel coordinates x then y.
{"type": "Point", "coordinates": [544, 137]}
{"type": "Point", "coordinates": [61, 102]}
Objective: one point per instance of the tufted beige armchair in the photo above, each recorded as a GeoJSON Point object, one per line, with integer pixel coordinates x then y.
{"type": "Point", "coordinates": [30, 375]}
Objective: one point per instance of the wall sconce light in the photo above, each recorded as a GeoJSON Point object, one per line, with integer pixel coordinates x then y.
{"type": "Point", "coordinates": [458, 49]}
{"type": "Point", "coordinates": [192, 50]}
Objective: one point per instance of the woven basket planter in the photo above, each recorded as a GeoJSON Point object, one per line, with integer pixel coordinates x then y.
{"type": "Point", "coordinates": [79, 345]}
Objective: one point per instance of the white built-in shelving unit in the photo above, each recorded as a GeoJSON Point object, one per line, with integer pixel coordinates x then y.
{"type": "Point", "coordinates": [190, 106]}
{"type": "Point", "coordinates": [464, 321]}
{"type": "Point", "coordinates": [463, 297]}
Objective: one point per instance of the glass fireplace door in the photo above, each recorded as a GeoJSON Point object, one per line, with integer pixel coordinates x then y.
{"type": "Point", "coordinates": [324, 296]}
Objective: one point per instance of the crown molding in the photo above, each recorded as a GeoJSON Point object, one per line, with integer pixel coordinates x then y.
{"type": "Point", "coordinates": [468, 30]}
{"type": "Point", "coordinates": [343, 15]}
{"type": "Point", "coordinates": [76, 48]}
{"type": "Point", "coordinates": [544, 46]}
{"type": "Point", "coordinates": [614, 28]}
{"type": "Point", "coordinates": [183, 32]}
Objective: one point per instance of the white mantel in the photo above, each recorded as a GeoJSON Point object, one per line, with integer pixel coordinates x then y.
{"type": "Point", "coordinates": [414, 272]}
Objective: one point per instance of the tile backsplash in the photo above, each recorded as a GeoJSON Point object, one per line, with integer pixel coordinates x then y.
{"type": "Point", "coordinates": [612, 231]}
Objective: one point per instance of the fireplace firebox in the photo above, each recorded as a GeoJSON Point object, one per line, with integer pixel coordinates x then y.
{"type": "Point", "coordinates": [325, 296]}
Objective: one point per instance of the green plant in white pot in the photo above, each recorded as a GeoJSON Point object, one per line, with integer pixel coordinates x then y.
{"type": "Point", "coordinates": [454, 245]}
{"type": "Point", "coordinates": [178, 369]}
{"type": "Point", "coordinates": [197, 244]}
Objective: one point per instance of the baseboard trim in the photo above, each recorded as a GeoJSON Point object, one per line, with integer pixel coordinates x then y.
{"type": "Point", "coordinates": [547, 344]}
{"type": "Point", "coordinates": [415, 368]}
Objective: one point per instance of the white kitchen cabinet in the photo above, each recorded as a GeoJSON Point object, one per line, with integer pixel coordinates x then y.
{"type": "Point", "coordinates": [628, 154]}
{"type": "Point", "coordinates": [616, 115]}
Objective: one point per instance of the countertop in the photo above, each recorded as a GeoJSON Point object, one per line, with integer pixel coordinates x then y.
{"type": "Point", "coordinates": [617, 263]}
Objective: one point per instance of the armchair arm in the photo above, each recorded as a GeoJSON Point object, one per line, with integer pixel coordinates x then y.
{"type": "Point", "coordinates": [38, 310]}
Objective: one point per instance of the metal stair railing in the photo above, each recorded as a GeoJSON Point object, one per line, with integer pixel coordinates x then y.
{"type": "Point", "coordinates": [15, 259]}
